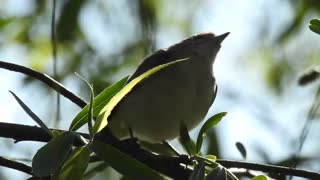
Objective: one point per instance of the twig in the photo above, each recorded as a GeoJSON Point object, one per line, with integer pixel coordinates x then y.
{"type": "Point", "coordinates": [45, 79]}
{"type": "Point", "coordinates": [270, 169]}
{"type": "Point", "coordinates": [54, 55]}
{"type": "Point", "coordinates": [15, 165]}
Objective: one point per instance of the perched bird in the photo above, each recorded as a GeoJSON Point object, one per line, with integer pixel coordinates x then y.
{"type": "Point", "coordinates": [180, 93]}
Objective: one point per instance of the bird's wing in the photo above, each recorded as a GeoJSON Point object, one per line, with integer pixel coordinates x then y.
{"type": "Point", "coordinates": [159, 57]}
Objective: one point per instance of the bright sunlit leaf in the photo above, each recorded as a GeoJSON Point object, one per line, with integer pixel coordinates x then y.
{"type": "Point", "coordinates": [212, 158]}
{"type": "Point", "coordinates": [260, 177]}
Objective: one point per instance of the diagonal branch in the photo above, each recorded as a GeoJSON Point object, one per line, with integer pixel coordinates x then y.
{"type": "Point", "coordinates": [15, 165]}
{"type": "Point", "coordinates": [270, 169]}
{"type": "Point", "coordinates": [45, 79]}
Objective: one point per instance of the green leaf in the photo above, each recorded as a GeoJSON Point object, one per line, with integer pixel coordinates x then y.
{"type": "Point", "coordinates": [242, 150]}
{"type": "Point", "coordinates": [315, 25]}
{"type": "Point", "coordinates": [206, 126]}
{"type": "Point", "coordinates": [198, 172]}
{"type": "Point", "coordinates": [315, 22]}
{"type": "Point", "coordinates": [50, 157]}
{"type": "Point", "coordinates": [98, 103]}
{"type": "Point", "coordinates": [311, 75]}
{"type": "Point", "coordinates": [32, 115]}
{"type": "Point", "coordinates": [102, 119]}
{"type": "Point", "coordinates": [212, 158]}
{"type": "Point", "coordinates": [213, 144]}
{"type": "Point", "coordinates": [218, 173]}
{"type": "Point", "coordinates": [185, 140]}
{"type": "Point", "coordinates": [90, 111]}
{"type": "Point", "coordinates": [123, 163]}
{"type": "Point", "coordinates": [260, 177]}
{"type": "Point", "coordinates": [76, 165]}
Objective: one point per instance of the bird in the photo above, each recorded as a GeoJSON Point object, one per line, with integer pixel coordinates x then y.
{"type": "Point", "coordinates": [181, 93]}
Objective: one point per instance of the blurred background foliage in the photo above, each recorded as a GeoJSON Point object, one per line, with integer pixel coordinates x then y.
{"type": "Point", "coordinates": [105, 40]}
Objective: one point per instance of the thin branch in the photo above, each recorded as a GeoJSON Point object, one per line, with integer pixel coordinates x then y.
{"type": "Point", "coordinates": [270, 169]}
{"type": "Point", "coordinates": [171, 166]}
{"type": "Point", "coordinates": [53, 38]}
{"type": "Point", "coordinates": [45, 79]}
{"type": "Point", "coordinates": [19, 133]}
{"type": "Point", "coordinates": [54, 55]}
{"type": "Point", "coordinates": [15, 165]}
{"type": "Point", "coordinates": [311, 115]}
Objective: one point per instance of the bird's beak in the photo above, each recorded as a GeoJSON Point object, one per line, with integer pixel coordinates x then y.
{"type": "Point", "coordinates": [221, 37]}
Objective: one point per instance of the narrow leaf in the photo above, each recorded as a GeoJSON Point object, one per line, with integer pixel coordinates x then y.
{"type": "Point", "coordinates": [123, 163]}
{"type": "Point", "coordinates": [50, 157]}
{"type": "Point", "coordinates": [32, 115]}
{"type": "Point", "coordinates": [98, 103]}
{"type": "Point", "coordinates": [242, 150]}
{"type": "Point", "coordinates": [187, 143]}
{"type": "Point", "coordinates": [315, 22]}
{"type": "Point", "coordinates": [198, 172]}
{"type": "Point", "coordinates": [315, 29]}
{"type": "Point", "coordinates": [210, 157]}
{"type": "Point", "coordinates": [102, 119]}
{"type": "Point", "coordinates": [309, 76]}
{"type": "Point", "coordinates": [214, 120]}
{"type": "Point", "coordinates": [76, 165]}
{"type": "Point", "coordinates": [260, 177]}
{"type": "Point", "coordinates": [90, 110]}
{"type": "Point", "coordinates": [315, 25]}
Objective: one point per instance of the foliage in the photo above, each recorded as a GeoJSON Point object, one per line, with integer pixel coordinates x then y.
{"type": "Point", "coordinates": [55, 159]}
{"type": "Point", "coordinates": [82, 55]}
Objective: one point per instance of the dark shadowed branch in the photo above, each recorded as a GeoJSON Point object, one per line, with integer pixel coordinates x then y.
{"type": "Point", "coordinates": [170, 166]}
{"type": "Point", "coordinates": [15, 165]}
{"type": "Point", "coordinates": [45, 79]}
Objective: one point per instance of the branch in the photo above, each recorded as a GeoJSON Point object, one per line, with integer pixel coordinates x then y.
{"type": "Point", "coordinates": [170, 166]}
{"type": "Point", "coordinates": [45, 79]}
{"type": "Point", "coordinates": [15, 165]}
{"type": "Point", "coordinates": [270, 169]}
